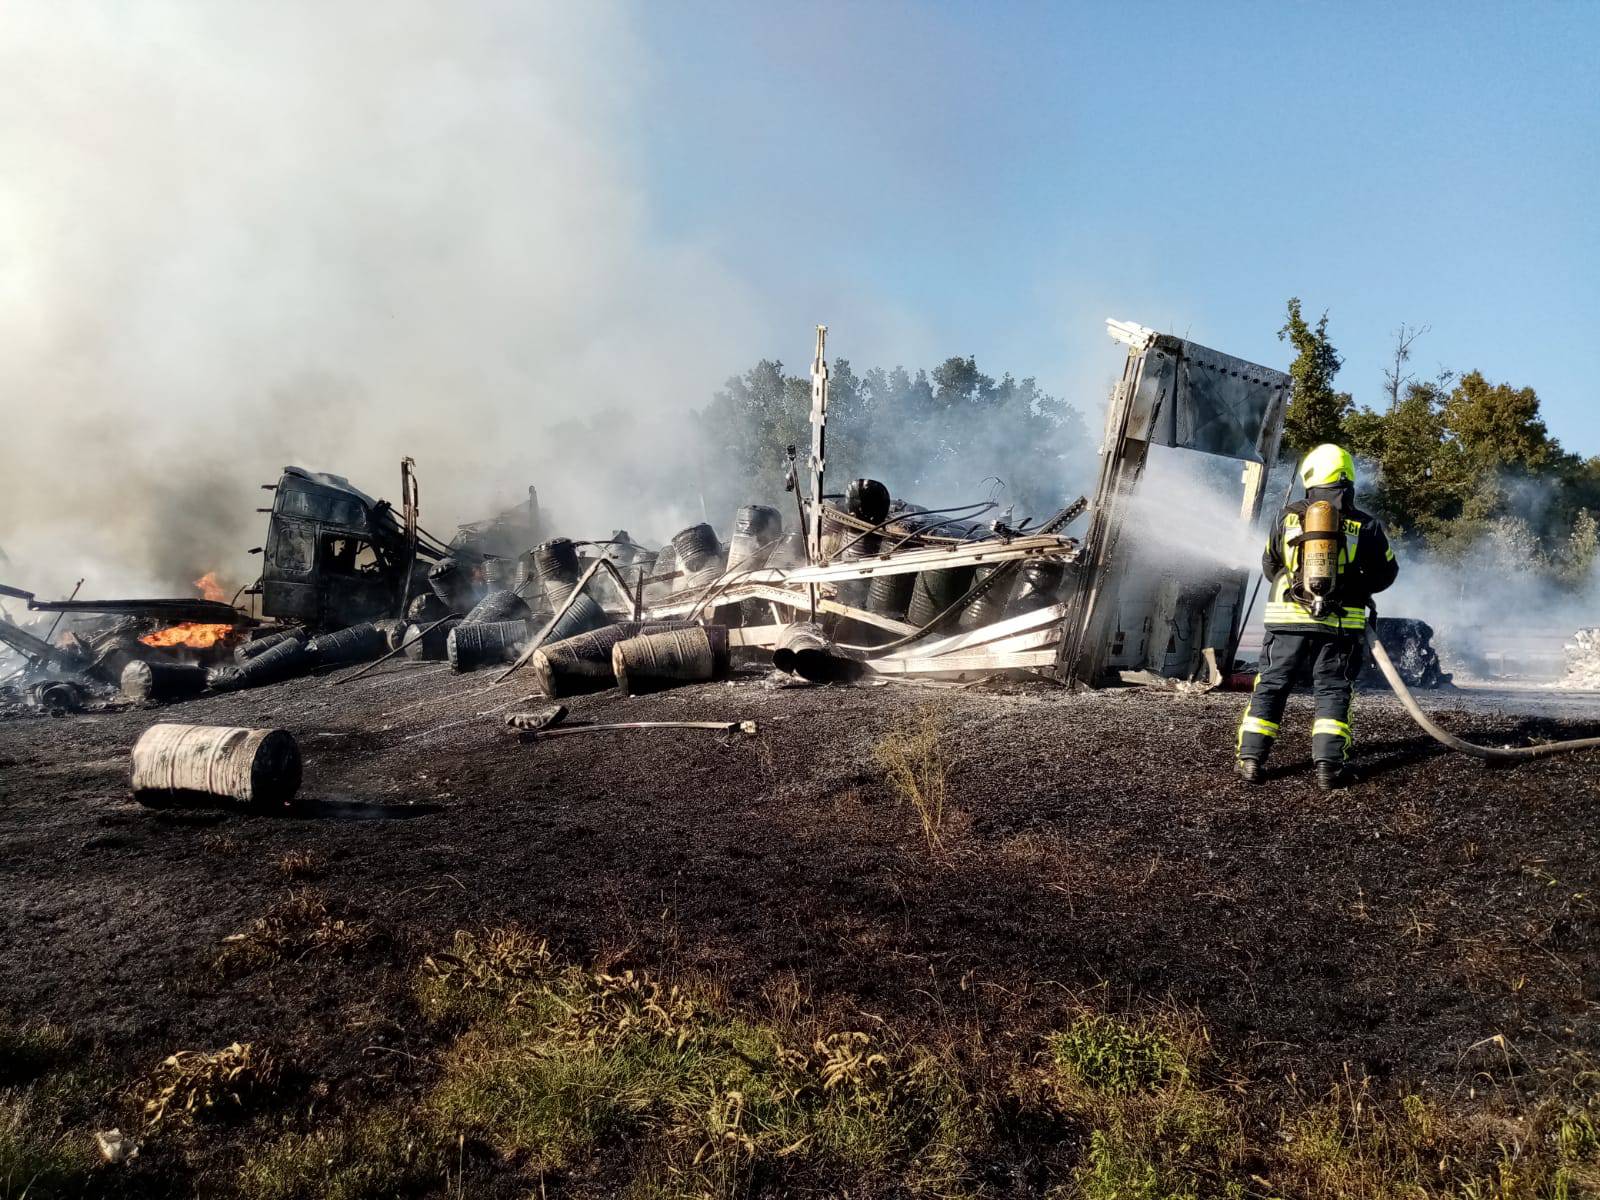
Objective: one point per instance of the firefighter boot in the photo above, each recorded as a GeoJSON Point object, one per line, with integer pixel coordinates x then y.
{"type": "Point", "coordinates": [1332, 776]}
{"type": "Point", "coordinates": [1250, 770]}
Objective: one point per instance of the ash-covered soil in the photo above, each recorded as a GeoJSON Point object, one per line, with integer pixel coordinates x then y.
{"type": "Point", "coordinates": [1095, 841]}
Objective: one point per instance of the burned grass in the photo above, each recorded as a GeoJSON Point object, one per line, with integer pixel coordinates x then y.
{"type": "Point", "coordinates": [299, 926]}
{"type": "Point", "coordinates": [1104, 893]}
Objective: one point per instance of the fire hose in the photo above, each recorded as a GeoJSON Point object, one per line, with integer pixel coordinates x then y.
{"type": "Point", "coordinates": [1444, 737]}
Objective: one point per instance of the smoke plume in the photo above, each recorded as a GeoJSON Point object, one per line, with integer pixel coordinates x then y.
{"type": "Point", "coordinates": [239, 235]}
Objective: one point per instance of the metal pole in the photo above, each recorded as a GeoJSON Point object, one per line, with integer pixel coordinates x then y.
{"type": "Point", "coordinates": [56, 623]}
{"type": "Point", "coordinates": [819, 456]}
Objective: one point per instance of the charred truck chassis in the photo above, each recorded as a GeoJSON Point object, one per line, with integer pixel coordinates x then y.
{"type": "Point", "coordinates": [334, 556]}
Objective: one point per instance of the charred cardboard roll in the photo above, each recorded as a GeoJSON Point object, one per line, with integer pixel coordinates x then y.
{"type": "Point", "coordinates": [175, 764]}
{"type": "Point", "coordinates": [283, 661]}
{"type": "Point", "coordinates": [353, 644]}
{"type": "Point", "coordinates": [803, 649]}
{"type": "Point", "coordinates": [262, 644]}
{"type": "Point", "coordinates": [469, 647]}
{"type": "Point", "coordinates": [654, 661]}
{"type": "Point", "coordinates": [583, 663]}
{"type": "Point", "coordinates": [504, 605]}
{"type": "Point", "coordinates": [425, 644]}
{"type": "Point", "coordinates": [162, 681]}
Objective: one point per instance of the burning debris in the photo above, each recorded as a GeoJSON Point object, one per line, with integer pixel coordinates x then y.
{"type": "Point", "coordinates": [862, 586]}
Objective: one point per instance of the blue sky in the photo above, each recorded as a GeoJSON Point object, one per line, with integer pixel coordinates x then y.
{"type": "Point", "coordinates": [997, 179]}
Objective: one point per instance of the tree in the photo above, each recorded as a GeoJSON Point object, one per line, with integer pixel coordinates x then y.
{"type": "Point", "coordinates": [1498, 426]}
{"type": "Point", "coordinates": [1410, 489]}
{"type": "Point", "coordinates": [1581, 548]}
{"type": "Point", "coordinates": [933, 437]}
{"type": "Point", "coordinates": [1394, 377]}
{"type": "Point", "coordinates": [1316, 411]}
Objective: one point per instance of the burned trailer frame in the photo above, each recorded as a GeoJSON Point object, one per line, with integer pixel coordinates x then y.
{"type": "Point", "coordinates": [334, 556]}
{"type": "Point", "coordinates": [1175, 393]}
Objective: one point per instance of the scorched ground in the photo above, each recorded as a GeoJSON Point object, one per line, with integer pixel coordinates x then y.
{"type": "Point", "coordinates": [1430, 930]}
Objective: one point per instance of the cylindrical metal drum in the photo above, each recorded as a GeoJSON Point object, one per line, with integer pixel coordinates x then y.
{"type": "Point", "coordinates": [249, 650]}
{"type": "Point", "coordinates": [162, 681]}
{"type": "Point", "coordinates": [393, 630]}
{"type": "Point", "coordinates": [694, 545]}
{"type": "Point", "coordinates": [452, 583]}
{"type": "Point", "coordinates": [503, 605]}
{"type": "Point", "coordinates": [57, 696]}
{"type": "Point", "coordinates": [991, 605]}
{"type": "Point", "coordinates": [171, 763]}
{"type": "Point", "coordinates": [283, 661]}
{"type": "Point", "coordinates": [665, 566]}
{"type": "Point", "coordinates": [584, 614]}
{"type": "Point", "coordinates": [353, 644]}
{"type": "Point", "coordinates": [425, 607]}
{"type": "Point", "coordinates": [890, 595]}
{"type": "Point", "coordinates": [499, 574]}
{"type": "Point", "coordinates": [1038, 587]}
{"type": "Point", "coordinates": [583, 663]}
{"type": "Point", "coordinates": [804, 650]}
{"type": "Point", "coordinates": [868, 500]}
{"type": "Point", "coordinates": [224, 679]}
{"type": "Point", "coordinates": [754, 527]}
{"type": "Point", "coordinates": [429, 646]}
{"type": "Point", "coordinates": [556, 562]}
{"type": "Point", "coordinates": [699, 555]}
{"type": "Point", "coordinates": [471, 646]}
{"type": "Point", "coordinates": [854, 592]}
{"type": "Point", "coordinates": [936, 591]}
{"type": "Point", "coordinates": [112, 659]}
{"type": "Point", "coordinates": [527, 573]}
{"type": "Point", "coordinates": [661, 660]}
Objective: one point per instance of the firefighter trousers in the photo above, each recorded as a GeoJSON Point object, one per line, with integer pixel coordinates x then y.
{"type": "Point", "coordinates": [1335, 659]}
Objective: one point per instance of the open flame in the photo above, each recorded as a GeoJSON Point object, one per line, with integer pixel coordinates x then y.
{"type": "Point", "coordinates": [196, 634]}
{"type": "Point", "coordinates": [210, 588]}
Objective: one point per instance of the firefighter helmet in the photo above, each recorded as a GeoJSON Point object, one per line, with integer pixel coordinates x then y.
{"type": "Point", "coordinates": [1327, 465]}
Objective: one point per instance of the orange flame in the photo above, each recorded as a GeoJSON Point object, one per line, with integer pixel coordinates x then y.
{"type": "Point", "coordinates": [195, 634]}
{"type": "Point", "coordinates": [190, 633]}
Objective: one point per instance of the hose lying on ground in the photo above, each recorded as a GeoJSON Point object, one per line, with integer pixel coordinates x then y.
{"type": "Point", "coordinates": [1488, 753]}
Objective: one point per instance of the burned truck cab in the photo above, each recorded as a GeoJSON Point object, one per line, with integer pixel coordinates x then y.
{"type": "Point", "coordinates": [334, 556]}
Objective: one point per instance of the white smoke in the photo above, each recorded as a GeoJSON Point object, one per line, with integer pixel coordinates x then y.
{"type": "Point", "coordinates": [1186, 511]}
{"type": "Point", "coordinates": [237, 235]}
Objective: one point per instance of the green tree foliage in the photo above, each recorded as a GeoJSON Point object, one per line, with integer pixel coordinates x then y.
{"type": "Point", "coordinates": [932, 436]}
{"type": "Point", "coordinates": [1316, 410]}
{"type": "Point", "coordinates": [1461, 466]}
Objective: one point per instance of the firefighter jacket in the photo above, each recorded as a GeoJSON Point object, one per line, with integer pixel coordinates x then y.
{"type": "Point", "coordinates": [1366, 565]}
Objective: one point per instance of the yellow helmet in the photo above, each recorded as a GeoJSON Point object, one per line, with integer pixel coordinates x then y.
{"type": "Point", "coordinates": [1326, 465]}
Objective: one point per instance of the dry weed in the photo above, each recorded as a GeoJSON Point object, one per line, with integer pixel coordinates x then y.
{"type": "Point", "coordinates": [914, 759]}
{"type": "Point", "coordinates": [195, 1083]}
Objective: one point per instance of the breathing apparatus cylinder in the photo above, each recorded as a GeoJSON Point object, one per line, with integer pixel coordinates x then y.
{"type": "Point", "coordinates": [1319, 555]}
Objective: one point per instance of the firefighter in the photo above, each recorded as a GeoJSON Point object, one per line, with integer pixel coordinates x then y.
{"type": "Point", "coordinates": [1324, 561]}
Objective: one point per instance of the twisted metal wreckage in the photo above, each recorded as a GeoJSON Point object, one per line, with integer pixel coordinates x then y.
{"type": "Point", "coordinates": [865, 586]}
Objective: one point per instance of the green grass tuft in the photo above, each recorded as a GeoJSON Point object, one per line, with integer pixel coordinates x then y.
{"type": "Point", "coordinates": [558, 1065]}
{"type": "Point", "coordinates": [1117, 1057]}
{"type": "Point", "coordinates": [372, 1156]}
{"type": "Point", "coordinates": [39, 1161]}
